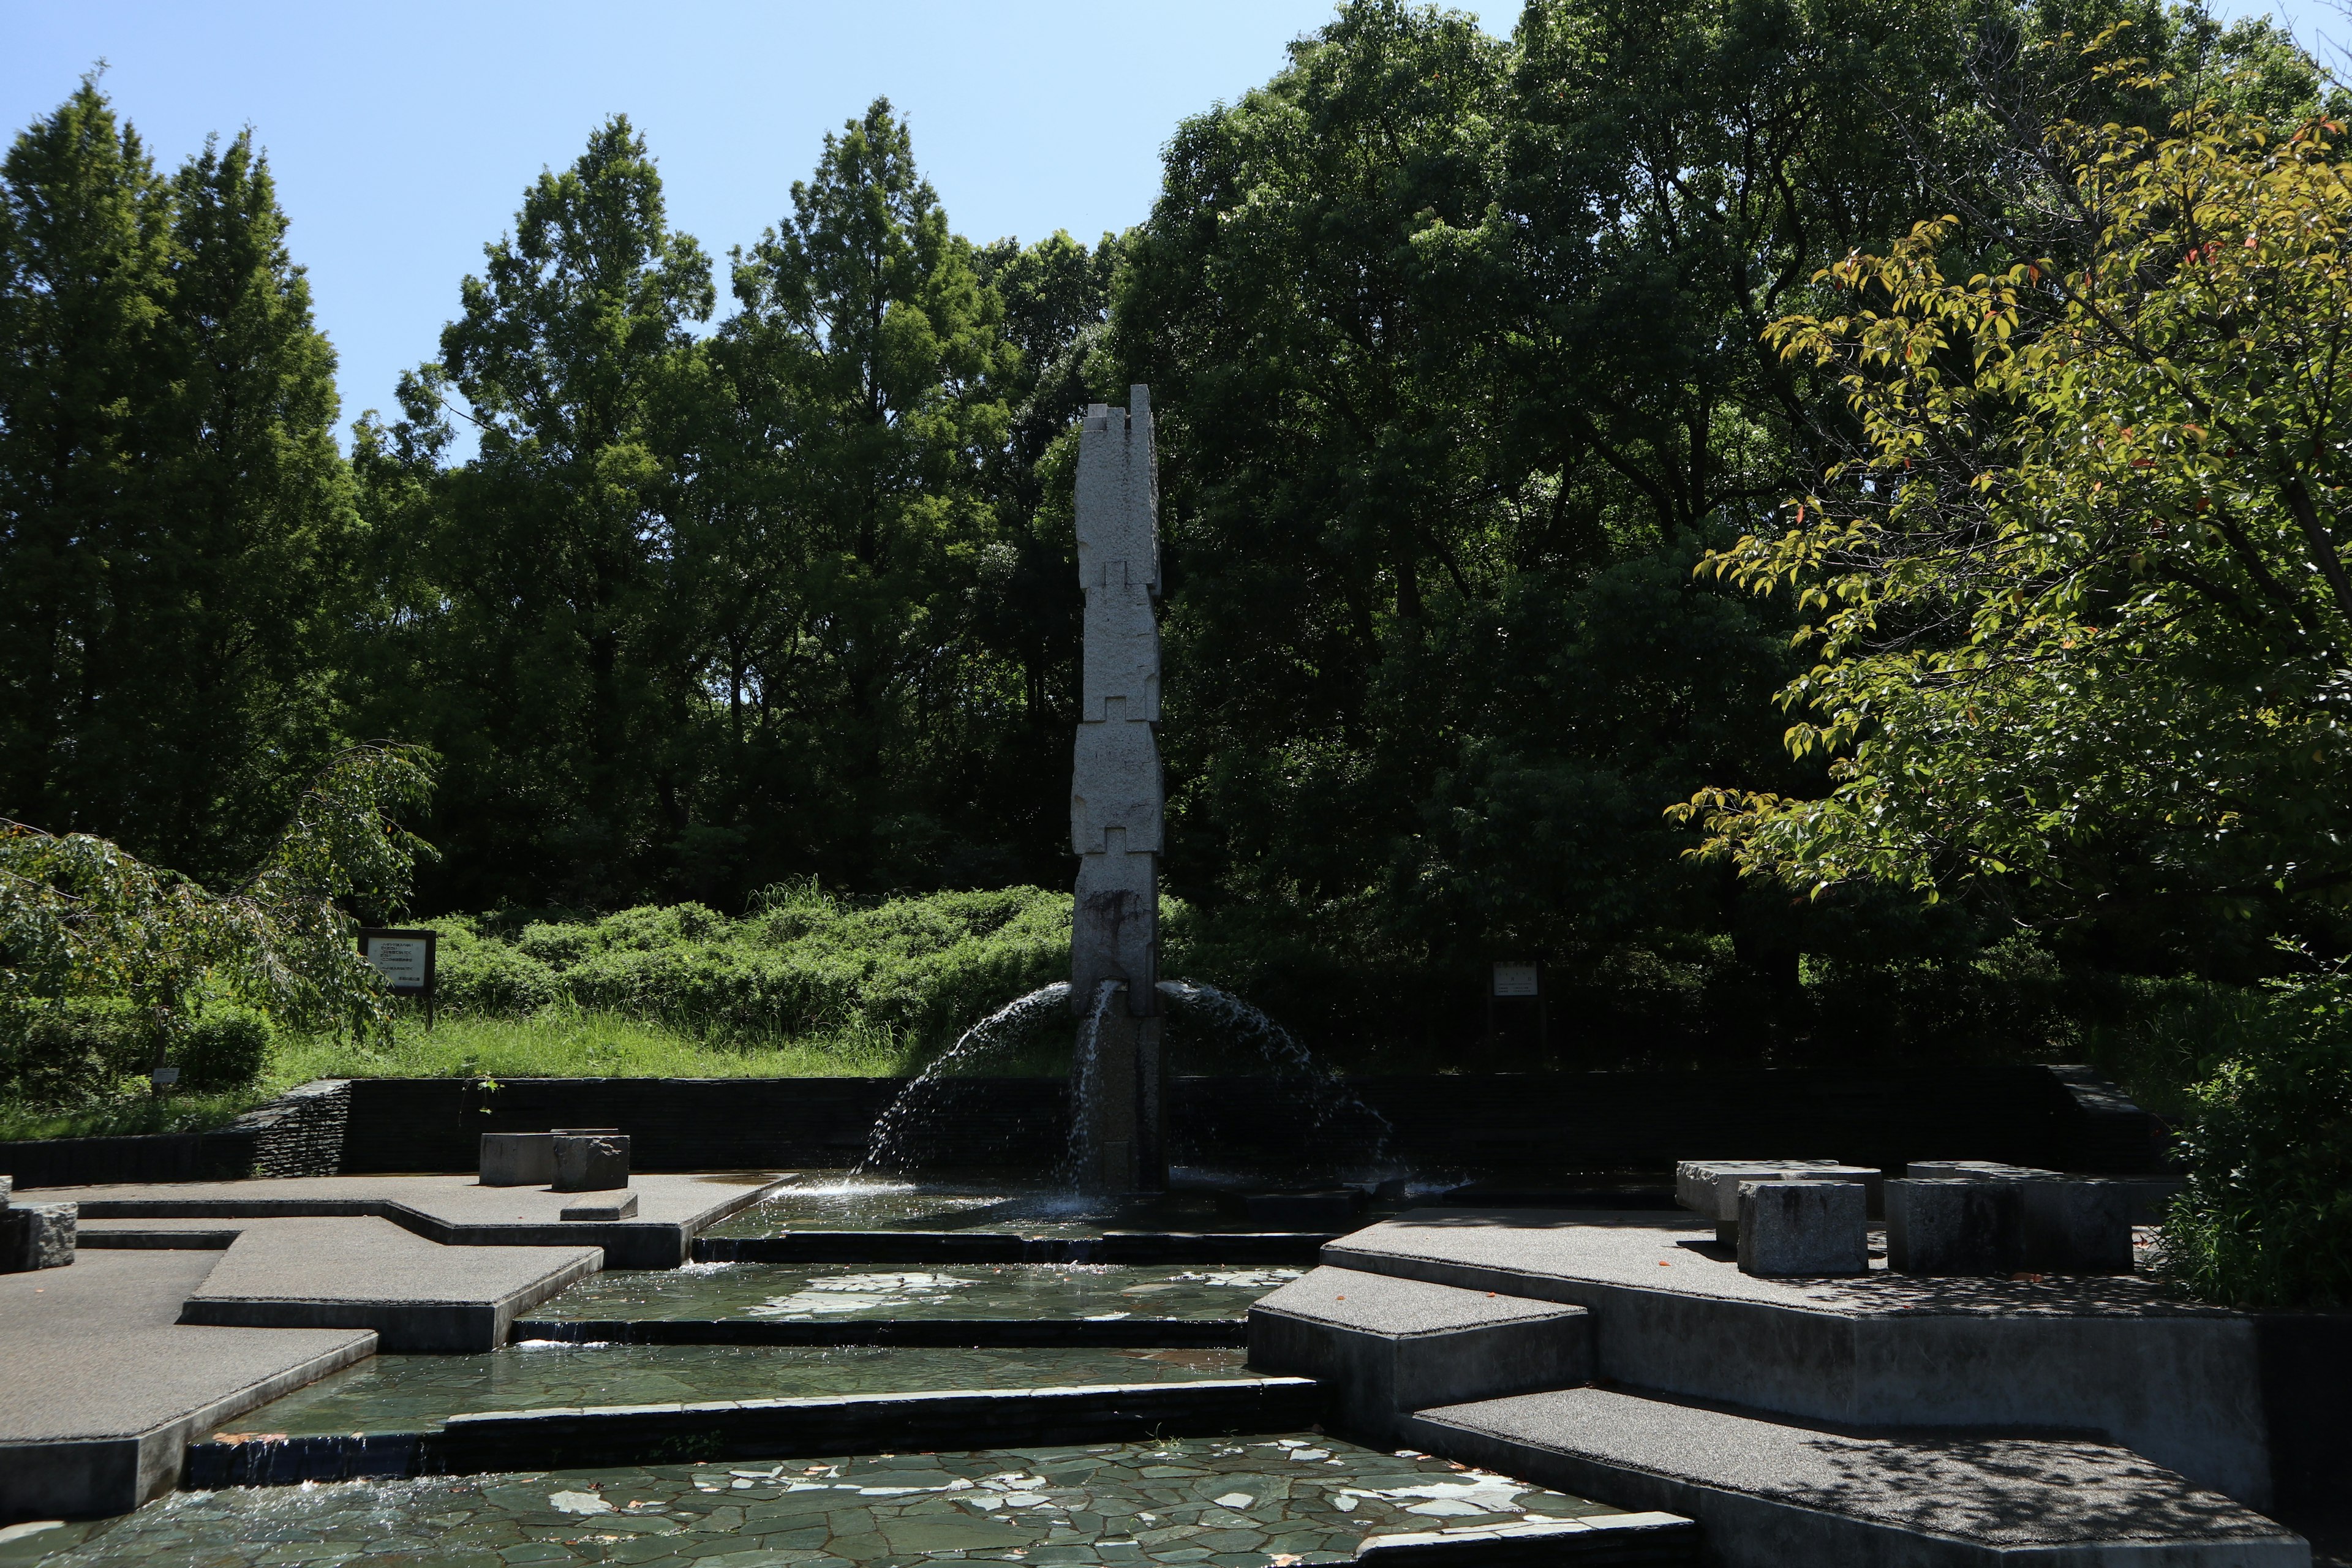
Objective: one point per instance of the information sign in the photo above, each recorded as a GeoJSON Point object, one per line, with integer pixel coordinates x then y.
{"type": "Point", "coordinates": [1517, 980]}
{"type": "Point", "coordinates": [404, 958]}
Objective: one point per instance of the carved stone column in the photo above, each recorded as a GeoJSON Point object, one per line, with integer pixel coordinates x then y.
{"type": "Point", "coordinates": [1116, 808]}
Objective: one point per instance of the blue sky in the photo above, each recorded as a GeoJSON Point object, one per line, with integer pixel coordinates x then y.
{"type": "Point", "coordinates": [402, 136]}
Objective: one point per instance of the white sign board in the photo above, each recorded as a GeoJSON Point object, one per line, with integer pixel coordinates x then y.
{"type": "Point", "coordinates": [399, 959]}
{"type": "Point", "coordinates": [1514, 980]}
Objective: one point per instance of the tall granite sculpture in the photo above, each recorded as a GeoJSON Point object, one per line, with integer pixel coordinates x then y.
{"type": "Point", "coordinates": [1116, 808]}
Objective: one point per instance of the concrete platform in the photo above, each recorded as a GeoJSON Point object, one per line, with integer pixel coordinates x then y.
{"type": "Point", "coordinates": [455, 1210]}
{"type": "Point", "coordinates": [2115, 1355]}
{"type": "Point", "coordinates": [1386, 1347]}
{"type": "Point", "coordinates": [369, 1273]}
{"type": "Point", "coordinates": [1769, 1495]}
{"type": "Point", "coordinates": [101, 1387]}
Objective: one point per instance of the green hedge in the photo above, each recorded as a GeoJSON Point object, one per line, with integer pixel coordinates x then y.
{"type": "Point", "coordinates": [803, 965]}
{"type": "Point", "coordinates": [2266, 1218]}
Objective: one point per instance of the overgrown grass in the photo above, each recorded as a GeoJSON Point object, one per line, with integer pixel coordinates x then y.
{"type": "Point", "coordinates": [563, 1041]}
{"type": "Point", "coordinates": [130, 1110]}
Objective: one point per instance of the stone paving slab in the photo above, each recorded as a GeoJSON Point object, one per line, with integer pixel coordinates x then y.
{"type": "Point", "coordinates": [1770, 1494]}
{"type": "Point", "coordinates": [2120, 1356]}
{"type": "Point", "coordinates": [1296, 1496]}
{"type": "Point", "coordinates": [1538, 1251]}
{"type": "Point", "coordinates": [103, 1385]}
{"type": "Point", "coordinates": [456, 1210]}
{"type": "Point", "coordinates": [370, 1273]}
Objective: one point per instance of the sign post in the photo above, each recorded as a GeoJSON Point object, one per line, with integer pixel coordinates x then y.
{"type": "Point", "coordinates": [1520, 979]}
{"type": "Point", "coordinates": [404, 959]}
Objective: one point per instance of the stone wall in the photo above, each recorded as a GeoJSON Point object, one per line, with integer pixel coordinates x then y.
{"type": "Point", "coordinates": [2061, 1118]}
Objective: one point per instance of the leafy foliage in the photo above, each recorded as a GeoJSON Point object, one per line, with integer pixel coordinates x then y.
{"type": "Point", "coordinates": [176, 523]}
{"type": "Point", "coordinates": [82, 920]}
{"type": "Point", "coordinates": [2081, 603]}
{"type": "Point", "coordinates": [2263, 1220]}
{"type": "Point", "coordinates": [920, 970]}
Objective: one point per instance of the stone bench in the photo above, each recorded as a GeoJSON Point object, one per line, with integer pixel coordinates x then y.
{"type": "Point", "coordinates": [1710, 1188]}
{"type": "Point", "coordinates": [2051, 1223]}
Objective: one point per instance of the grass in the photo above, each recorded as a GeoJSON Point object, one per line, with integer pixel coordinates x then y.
{"type": "Point", "coordinates": [132, 1109]}
{"type": "Point", "coordinates": [567, 1042]}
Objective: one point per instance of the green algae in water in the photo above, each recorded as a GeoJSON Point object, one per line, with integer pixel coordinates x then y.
{"type": "Point", "coordinates": [418, 1393]}
{"type": "Point", "coordinates": [848, 1293]}
{"type": "Point", "coordinates": [1228, 1502]}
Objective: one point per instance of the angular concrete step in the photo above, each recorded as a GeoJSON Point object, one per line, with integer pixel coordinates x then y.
{"type": "Point", "coordinates": [1770, 1494]}
{"type": "Point", "coordinates": [367, 1273]}
{"type": "Point", "coordinates": [1386, 1347]}
{"type": "Point", "coordinates": [1606, 1541]}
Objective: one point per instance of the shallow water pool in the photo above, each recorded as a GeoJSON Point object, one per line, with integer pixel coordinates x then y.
{"type": "Point", "coordinates": [1298, 1498]}
{"type": "Point", "coordinates": [418, 1393]}
{"type": "Point", "coordinates": [858, 1293]}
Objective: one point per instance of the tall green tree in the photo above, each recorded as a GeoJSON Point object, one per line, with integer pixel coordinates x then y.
{"type": "Point", "coordinates": [174, 513]}
{"type": "Point", "coordinates": [867, 350]}
{"type": "Point", "coordinates": [549, 665]}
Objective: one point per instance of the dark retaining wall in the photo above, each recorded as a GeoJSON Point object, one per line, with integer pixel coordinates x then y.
{"type": "Point", "coordinates": [2064, 1118]}
{"type": "Point", "coordinates": [300, 1134]}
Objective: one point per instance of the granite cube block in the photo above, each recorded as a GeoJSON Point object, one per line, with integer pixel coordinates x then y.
{"type": "Point", "coordinates": [1955, 1227]}
{"type": "Point", "coordinates": [1973, 1171]}
{"type": "Point", "coordinates": [518, 1159]}
{"type": "Point", "coordinates": [1793, 1226]}
{"type": "Point", "coordinates": [37, 1235]}
{"type": "Point", "coordinates": [2076, 1225]}
{"type": "Point", "coordinates": [1711, 1188]}
{"type": "Point", "coordinates": [606, 1206]}
{"type": "Point", "coordinates": [591, 1161]}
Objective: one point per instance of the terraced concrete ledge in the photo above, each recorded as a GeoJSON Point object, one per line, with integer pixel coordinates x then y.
{"type": "Point", "coordinates": [368, 1273]}
{"type": "Point", "coordinates": [772, 1429]}
{"type": "Point", "coordinates": [101, 1386]}
{"type": "Point", "coordinates": [1771, 1494]}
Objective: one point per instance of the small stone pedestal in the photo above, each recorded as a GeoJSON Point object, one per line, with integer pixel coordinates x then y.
{"type": "Point", "coordinates": [1955, 1227]}
{"type": "Point", "coordinates": [591, 1161]}
{"type": "Point", "coordinates": [1802, 1227]}
{"type": "Point", "coordinates": [518, 1159]}
{"type": "Point", "coordinates": [1711, 1188]}
{"type": "Point", "coordinates": [34, 1236]}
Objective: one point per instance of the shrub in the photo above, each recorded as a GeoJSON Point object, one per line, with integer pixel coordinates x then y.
{"type": "Point", "coordinates": [221, 1051]}
{"type": "Point", "coordinates": [67, 1054]}
{"type": "Point", "coordinates": [2266, 1220]}
{"type": "Point", "coordinates": [803, 964]}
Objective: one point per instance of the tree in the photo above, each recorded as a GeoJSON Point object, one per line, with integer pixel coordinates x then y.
{"type": "Point", "coordinates": [557, 650]}
{"type": "Point", "coordinates": [174, 514]}
{"type": "Point", "coordinates": [79, 917]}
{"type": "Point", "coordinates": [2081, 598]}
{"type": "Point", "coordinates": [865, 354]}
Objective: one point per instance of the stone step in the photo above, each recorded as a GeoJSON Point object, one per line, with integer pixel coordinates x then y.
{"type": "Point", "coordinates": [2120, 1356]}
{"type": "Point", "coordinates": [1385, 1346]}
{"type": "Point", "coordinates": [368, 1273]}
{"type": "Point", "coordinates": [771, 1428]}
{"type": "Point", "coordinates": [1772, 1493]}
{"type": "Point", "coordinates": [1605, 1540]}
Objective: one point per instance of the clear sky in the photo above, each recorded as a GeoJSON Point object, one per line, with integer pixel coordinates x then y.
{"type": "Point", "coordinates": [402, 136]}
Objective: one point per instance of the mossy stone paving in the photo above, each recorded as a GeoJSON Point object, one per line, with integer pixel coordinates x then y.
{"type": "Point", "coordinates": [418, 1393]}
{"type": "Point", "coordinates": [1236, 1501]}
{"type": "Point", "coordinates": [848, 1292]}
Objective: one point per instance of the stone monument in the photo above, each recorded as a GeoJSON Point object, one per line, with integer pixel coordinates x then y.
{"type": "Point", "coordinates": [1118, 1081]}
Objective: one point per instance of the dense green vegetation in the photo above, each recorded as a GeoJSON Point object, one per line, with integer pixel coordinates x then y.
{"type": "Point", "coordinates": [1599, 528]}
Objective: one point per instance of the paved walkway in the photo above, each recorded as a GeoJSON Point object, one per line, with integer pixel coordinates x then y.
{"type": "Point", "coordinates": [103, 1385]}
{"type": "Point", "coordinates": [456, 1210]}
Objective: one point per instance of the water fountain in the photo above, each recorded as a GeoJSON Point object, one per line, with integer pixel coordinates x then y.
{"type": "Point", "coordinates": [1118, 1078]}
